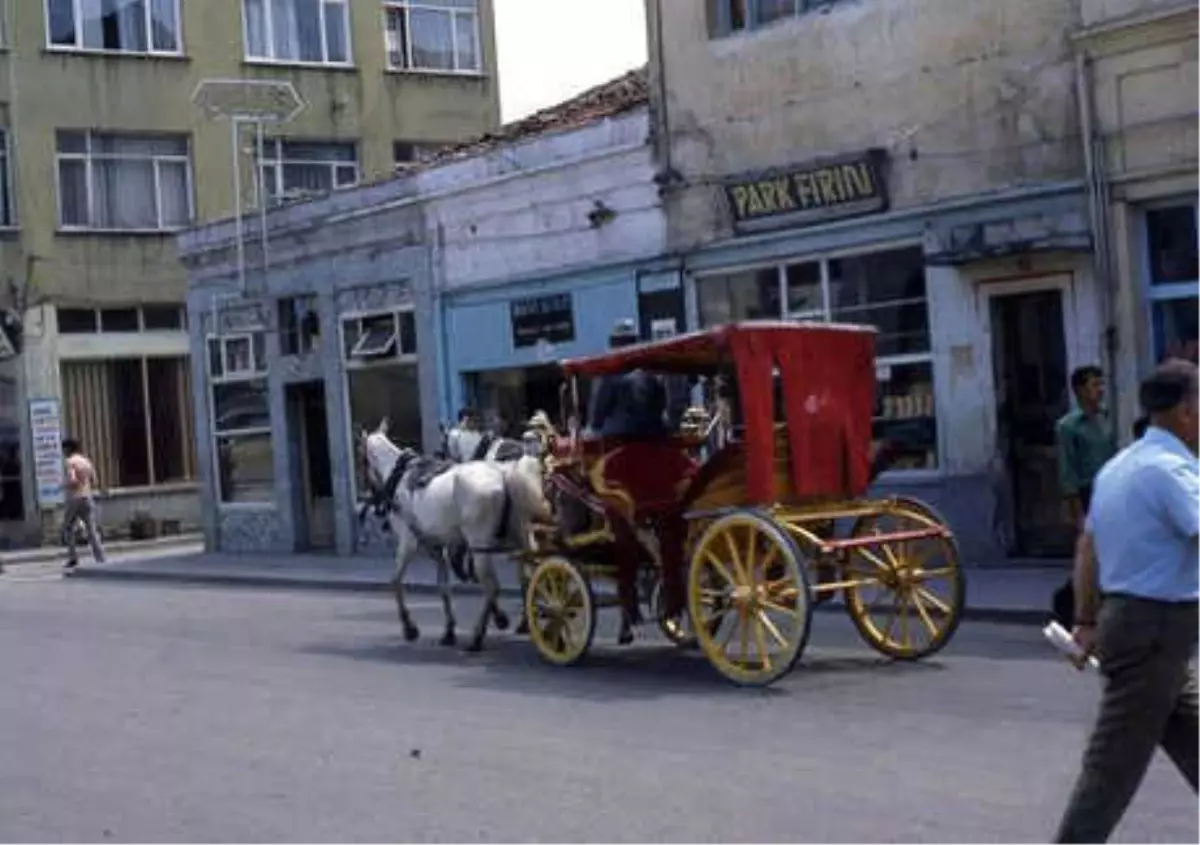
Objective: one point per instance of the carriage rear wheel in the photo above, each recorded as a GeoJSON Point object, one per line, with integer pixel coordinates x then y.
{"type": "Point", "coordinates": [910, 593]}
{"type": "Point", "coordinates": [561, 610]}
{"type": "Point", "coordinates": [749, 598]}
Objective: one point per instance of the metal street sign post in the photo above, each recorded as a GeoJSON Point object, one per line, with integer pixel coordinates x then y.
{"type": "Point", "coordinates": [256, 102]}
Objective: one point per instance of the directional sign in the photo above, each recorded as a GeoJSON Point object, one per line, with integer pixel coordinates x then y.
{"type": "Point", "coordinates": [248, 99]}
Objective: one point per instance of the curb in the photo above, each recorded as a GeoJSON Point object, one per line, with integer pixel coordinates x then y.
{"type": "Point", "coordinates": [998, 615]}
{"type": "Point", "coordinates": [47, 554]}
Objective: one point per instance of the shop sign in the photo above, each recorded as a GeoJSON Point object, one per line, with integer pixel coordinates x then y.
{"type": "Point", "coordinates": [826, 190]}
{"type": "Point", "coordinates": [542, 318]}
{"type": "Point", "coordinates": [45, 426]}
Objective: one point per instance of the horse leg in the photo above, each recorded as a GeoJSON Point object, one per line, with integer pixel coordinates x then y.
{"type": "Point", "coordinates": [491, 588]}
{"type": "Point", "coordinates": [448, 638]}
{"type": "Point", "coordinates": [523, 579]}
{"type": "Point", "coordinates": [403, 557]}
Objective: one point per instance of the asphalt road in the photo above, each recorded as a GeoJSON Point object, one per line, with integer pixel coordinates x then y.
{"type": "Point", "coordinates": [149, 713]}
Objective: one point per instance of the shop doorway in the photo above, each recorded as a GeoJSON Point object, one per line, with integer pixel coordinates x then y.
{"type": "Point", "coordinates": [312, 469]}
{"type": "Point", "coordinates": [1030, 367]}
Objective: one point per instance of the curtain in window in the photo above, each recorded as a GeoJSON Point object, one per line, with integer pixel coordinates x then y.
{"type": "Point", "coordinates": [61, 15]}
{"type": "Point", "coordinates": [336, 38]}
{"type": "Point", "coordinates": [256, 28]}
{"type": "Point", "coordinates": [307, 177]}
{"type": "Point", "coordinates": [297, 25]}
{"type": "Point", "coordinates": [114, 24]}
{"type": "Point", "coordinates": [88, 414]}
{"type": "Point", "coordinates": [73, 193]}
{"type": "Point", "coordinates": [468, 47]}
{"type": "Point", "coordinates": [173, 190]}
{"type": "Point", "coordinates": [432, 39]}
{"type": "Point", "coordinates": [164, 28]}
{"type": "Point", "coordinates": [123, 194]}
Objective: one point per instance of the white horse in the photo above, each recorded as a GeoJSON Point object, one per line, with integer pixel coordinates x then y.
{"type": "Point", "coordinates": [433, 505]}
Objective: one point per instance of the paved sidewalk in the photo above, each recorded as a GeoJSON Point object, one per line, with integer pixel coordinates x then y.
{"type": "Point", "coordinates": [1011, 594]}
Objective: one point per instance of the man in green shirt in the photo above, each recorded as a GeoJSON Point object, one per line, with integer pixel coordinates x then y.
{"type": "Point", "coordinates": [1085, 443]}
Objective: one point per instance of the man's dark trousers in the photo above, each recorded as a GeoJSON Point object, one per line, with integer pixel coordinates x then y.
{"type": "Point", "coordinates": [1064, 596]}
{"type": "Point", "coordinates": [1150, 699]}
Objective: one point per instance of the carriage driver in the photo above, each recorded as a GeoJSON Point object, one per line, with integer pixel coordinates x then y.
{"type": "Point", "coordinates": [633, 406]}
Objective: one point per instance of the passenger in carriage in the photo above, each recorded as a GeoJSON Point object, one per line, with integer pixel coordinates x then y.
{"type": "Point", "coordinates": [630, 404]}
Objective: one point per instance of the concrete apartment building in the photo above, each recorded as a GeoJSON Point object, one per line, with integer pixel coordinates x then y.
{"type": "Point", "coordinates": [105, 158]}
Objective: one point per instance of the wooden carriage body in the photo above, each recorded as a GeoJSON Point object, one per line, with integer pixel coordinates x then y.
{"type": "Point", "coordinates": [760, 511]}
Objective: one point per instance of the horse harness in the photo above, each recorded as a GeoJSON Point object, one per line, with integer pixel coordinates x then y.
{"type": "Point", "coordinates": [423, 471]}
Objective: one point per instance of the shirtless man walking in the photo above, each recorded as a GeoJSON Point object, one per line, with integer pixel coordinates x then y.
{"type": "Point", "coordinates": [79, 484]}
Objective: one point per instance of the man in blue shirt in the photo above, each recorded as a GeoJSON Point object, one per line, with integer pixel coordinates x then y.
{"type": "Point", "coordinates": [1140, 545]}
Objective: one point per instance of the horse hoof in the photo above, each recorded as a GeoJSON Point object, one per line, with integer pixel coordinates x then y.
{"type": "Point", "coordinates": [448, 639]}
{"type": "Point", "coordinates": [501, 620]}
{"type": "Point", "coordinates": [523, 627]}
{"type": "Point", "coordinates": [625, 638]}
{"type": "Point", "coordinates": [473, 647]}
{"type": "Point", "coordinates": [411, 634]}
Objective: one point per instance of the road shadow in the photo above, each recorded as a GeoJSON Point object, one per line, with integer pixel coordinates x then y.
{"type": "Point", "coordinates": [642, 671]}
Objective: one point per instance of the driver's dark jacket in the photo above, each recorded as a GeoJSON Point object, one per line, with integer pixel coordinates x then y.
{"type": "Point", "coordinates": [628, 405]}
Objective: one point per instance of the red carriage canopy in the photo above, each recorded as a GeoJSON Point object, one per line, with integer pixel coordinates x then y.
{"type": "Point", "coordinates": [828, 375]}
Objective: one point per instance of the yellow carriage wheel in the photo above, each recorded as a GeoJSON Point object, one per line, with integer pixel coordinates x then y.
{"type": "Point", "coordinates": [561, 610]}
{"type": "Point", "coordinates": [749, 598]}
{"type": "Point", "coordinates": [910, 595]}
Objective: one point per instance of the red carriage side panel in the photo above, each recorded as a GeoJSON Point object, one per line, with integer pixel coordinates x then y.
{"type": "Point", "coordinates": [753, 355]}
{"type": "Point", "coordinates": [829, 393]}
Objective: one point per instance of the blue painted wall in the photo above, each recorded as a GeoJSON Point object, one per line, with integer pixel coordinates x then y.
{"type": "Point", "coordinates": [478, 325]}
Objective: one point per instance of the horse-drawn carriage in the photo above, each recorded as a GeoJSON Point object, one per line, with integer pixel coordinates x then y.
{"type": "Point", "coordinates": [734, 551]}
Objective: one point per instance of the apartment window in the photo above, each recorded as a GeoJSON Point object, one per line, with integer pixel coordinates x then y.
{"type": "Point", "coordinates": [131, 26]}
{"type": "Point", "coordinates": [316, 31]}
{"type": "Point", "coordinates": [440, 36]}
{"type": "Point", "coordinates": [241, 417]}
{"type": "Point", "coordinates": [299, 325]}
{"type": "Point", "coordinates": [379, 337]}
{"type": "Point", "coordinates": [146, 318]}
{"type": "Point", "coordinates": [728, 16]}
{"type": "Point", "coordinates": [407, 154]}
{"type": "Point", "coordinates": [134, 417]}
{"type": "Point", "coordinates": [1174, 282]}
{"type": "Point", "coordinates": [123, 182]}
{"type": "Point", "coordinates": [8, 215]}
{"type": "Point", "coordinates": [885, 289]}
{"type": "Point", "coordinates": [296, 169]}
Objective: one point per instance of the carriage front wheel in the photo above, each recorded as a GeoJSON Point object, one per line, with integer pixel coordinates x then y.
{"type": "Point", "coordinates": [749, 598]}
{"type": "Point", "coordinates": [907, 596]}
{"type": "Point", "coordinates": [561, 610]}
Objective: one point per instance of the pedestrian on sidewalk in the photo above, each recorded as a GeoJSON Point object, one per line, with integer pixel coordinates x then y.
{"type": "Point", "coordinates": [1085, 443]}
{"type": "Point", "coordinates": [1136, 563]}
{"type": "Point", "coordinates": [80, 503]}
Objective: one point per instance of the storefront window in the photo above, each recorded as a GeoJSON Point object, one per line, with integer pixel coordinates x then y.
{"type": "Point", "coordinates": [748, 295]}
{"type": "Point", "coordinates": [241, 418]}
{"type": "Point", "coordinates": [1174, 290]}
{"type": "Point", "coordinates": [882, 289]}
{"type": "Point", "coordinates": [379, 351]}
{"type": "Point", "coordinates": [506, 399]}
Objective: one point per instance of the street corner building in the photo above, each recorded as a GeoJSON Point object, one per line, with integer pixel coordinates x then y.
{"type": "Point", "coordinates": [459, 280]}
{"type": "Point", "coordinates": [1006, 190]}
{"type": "Point", "coordinates": [111, 144]}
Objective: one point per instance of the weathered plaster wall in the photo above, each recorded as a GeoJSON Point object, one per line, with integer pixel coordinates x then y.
{"type": "Point", "coordinates": [967, 97]}
{"type": "Point", "coordinates": [523, 211]}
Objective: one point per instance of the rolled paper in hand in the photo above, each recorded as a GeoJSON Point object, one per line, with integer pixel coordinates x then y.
{"type": "Point", "coordinates": [1062, 640]}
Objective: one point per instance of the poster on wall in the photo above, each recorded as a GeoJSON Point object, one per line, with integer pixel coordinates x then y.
{"type": "Point", "coordinates": [45, 427]}
{"type": "Point", "coordinates": [542, 318]}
